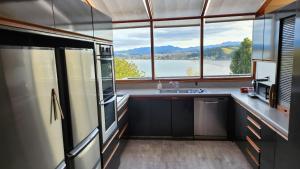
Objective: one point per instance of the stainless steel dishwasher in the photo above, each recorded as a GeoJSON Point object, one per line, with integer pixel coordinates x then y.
{"type": "Point", "coordinates": [210, 118]}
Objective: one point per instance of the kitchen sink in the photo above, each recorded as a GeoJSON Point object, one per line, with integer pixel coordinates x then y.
{"type": "Point", "coordinates": [182, 91]}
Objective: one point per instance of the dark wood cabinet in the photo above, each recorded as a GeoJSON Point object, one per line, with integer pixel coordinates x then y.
{"type": "Point", "coordinates": [160, 117]}
{"type": "Point", "coordinates": [255, 139]}
{"type": "Point", "coordinates": [182, 117]}
{"type": "Point", "coordinates": [240, 123]}
{"type": "Point", "coordinates": [149, 117]}
{"type": "Point", "coordinates": [139, 117]}
{"type": "Point", "coordinates": [268, 146]}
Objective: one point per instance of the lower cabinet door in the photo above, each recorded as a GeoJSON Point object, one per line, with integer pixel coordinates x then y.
{"type": "Point", "coordinates": [139, 117]}
{"type": "Point", "coordinates": [182, 117]}
{"type": "Point", "coordinates": [268, 146]}
{"type": "Point", "coordinates": [149, 117]}
{"type": "Point", "coordinates": [160, 117]}
{"type": "Point", "coordinates": [240, 123]}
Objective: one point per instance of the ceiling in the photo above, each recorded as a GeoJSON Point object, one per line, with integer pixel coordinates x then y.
{"type": "Point", "coordinates": [136, 10]}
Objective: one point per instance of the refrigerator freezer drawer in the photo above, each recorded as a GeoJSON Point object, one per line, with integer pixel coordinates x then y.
{"type": "Point", "coordinates": [89, 157]}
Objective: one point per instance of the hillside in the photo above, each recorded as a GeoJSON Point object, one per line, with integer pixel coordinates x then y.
{"type": "Point", "coordinates": [218, 51]}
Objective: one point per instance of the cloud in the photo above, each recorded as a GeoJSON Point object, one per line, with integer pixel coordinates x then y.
{"type": "Point", "coordinates": [214, 33]}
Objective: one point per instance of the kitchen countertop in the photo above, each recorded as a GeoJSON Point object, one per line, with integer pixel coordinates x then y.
{"type": "Point", "coordinates": [270, 116]}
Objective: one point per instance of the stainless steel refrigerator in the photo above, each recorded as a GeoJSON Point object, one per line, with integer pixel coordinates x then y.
{"type": "Point", "coordinates": [30, 118]}
{"type": "Point", "coordinates": [81, 82]}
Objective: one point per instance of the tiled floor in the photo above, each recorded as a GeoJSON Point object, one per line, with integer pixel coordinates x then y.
{"type": "Point", "coordinates": [169, 154]}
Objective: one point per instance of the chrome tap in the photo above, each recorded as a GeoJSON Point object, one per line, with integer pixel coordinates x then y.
{"type": "Point", "coordinates": [174, 84]}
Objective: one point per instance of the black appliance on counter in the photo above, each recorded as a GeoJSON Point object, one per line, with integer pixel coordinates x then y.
{"type": "Point", "coordinates": [261, 89]}
{"type": "Point", "coordinates": [105, 68]}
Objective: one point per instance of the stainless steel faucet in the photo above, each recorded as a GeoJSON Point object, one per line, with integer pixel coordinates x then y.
{"type": "Point", "coordinates": [174, 84]}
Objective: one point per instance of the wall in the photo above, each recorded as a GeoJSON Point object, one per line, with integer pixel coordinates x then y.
{"type": "Point", "coordinates": [264, 69]}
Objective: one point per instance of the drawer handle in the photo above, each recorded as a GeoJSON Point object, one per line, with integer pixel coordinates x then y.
{"type": "Point", "coordinates": [253, 132]}
{"type": "Point", "coordinates": [252, 157]}
{"type": "Point", "coordinates": [253, 122]}
{"type": "Point", "coordinates": [123, 131]}
{"type": "Point", "coordinates": [111, 156]}
{"type": "Point", "coordinates": [256, 148]}
{"type": "Point", "coordinates": [122, 114]}
{"type": "Point", "coordinates": [109, 142]}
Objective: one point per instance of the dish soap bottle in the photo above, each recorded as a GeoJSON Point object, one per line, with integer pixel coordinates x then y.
{"type": "Point", "coordinates": [159, 85]}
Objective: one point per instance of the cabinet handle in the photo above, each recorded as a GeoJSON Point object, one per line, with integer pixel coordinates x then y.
{"type": "Point", "coordinates": [252, 157]}
{"type": "Point", "coordinates": [253, 122]}
{"type": "Point", "coordinates": [211, 102]}
{"type": "Point", "coordinates": [256, 148]}
{"type": "Point", "coordinates": [253, 132]}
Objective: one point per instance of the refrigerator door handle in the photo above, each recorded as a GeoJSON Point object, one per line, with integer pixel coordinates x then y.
{"type": "Point", "coordinates": [109, 101]}
{"type": "Point", "coordinates": [83, 144]}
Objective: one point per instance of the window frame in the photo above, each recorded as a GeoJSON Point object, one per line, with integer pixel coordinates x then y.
{"type": "Point", "coordinates": [201, 78]}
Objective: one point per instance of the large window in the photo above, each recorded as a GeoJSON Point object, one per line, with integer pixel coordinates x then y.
{"type": "Point", "coordinates": [132, 53]}
{"type": "Point", "coordinates": [177, 52]}
{"type": "Point", "coordinates": [227, 48]}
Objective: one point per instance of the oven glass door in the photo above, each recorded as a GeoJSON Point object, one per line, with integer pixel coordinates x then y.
{"type": "Point", "coordinates": [109, 117]}
{"type": "Point", "coordinates": [107, 78]}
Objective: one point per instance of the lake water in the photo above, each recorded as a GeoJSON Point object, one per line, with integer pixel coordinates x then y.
{"type": "Point", "coordinates": [167, 68]}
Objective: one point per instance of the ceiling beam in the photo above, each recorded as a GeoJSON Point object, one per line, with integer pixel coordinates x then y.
{"type": "Point", "coordinates": [185, 18]}
{"type": "Point", "coordinates": [228, 15]}
{"type": "Point", "coordinates": [148, 6]}
{"type": "Point", "coordinates": [261, 10]}
{"type": "Point", "coordinates": [205, 6]}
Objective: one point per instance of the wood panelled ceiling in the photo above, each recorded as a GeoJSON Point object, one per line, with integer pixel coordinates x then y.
{"type": "Point", "coordinates": [276, 4]}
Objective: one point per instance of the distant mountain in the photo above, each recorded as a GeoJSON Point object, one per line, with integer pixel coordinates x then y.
{"type": "Point", "coordinates": [224, 44]}
{"type": "Point", "coordinates": [171, 49]}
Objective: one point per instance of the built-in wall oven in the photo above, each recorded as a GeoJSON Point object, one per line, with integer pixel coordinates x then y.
{"type": "Point", "coordinates": [105, 67]}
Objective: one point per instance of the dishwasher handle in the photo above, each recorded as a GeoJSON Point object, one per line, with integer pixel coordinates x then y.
{"type": "Point", "coordinates": [211, 102]}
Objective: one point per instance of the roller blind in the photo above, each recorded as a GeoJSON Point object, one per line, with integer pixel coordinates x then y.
{"type": "Point", "coordinates": [287, 36]}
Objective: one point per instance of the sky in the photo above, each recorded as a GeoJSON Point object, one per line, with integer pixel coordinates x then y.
{"type": "Point", "coordinates": [214, 33]}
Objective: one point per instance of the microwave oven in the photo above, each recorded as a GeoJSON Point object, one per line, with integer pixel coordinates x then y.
{"type": "Point", "coordinates": [262, 90]}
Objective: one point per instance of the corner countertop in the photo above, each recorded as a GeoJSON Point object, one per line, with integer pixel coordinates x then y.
{"type": "Point", "coordinates": [277, 121]}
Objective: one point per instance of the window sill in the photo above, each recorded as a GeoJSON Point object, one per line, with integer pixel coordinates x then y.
{"type": "Point", "coordinates": [204, 79]}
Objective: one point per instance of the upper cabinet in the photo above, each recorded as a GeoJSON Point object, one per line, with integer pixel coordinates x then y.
{"type": "Point", "coordinates": [102, 25]}
{"type": "Point", "coordinates": [36, 12]}
{"type": "Point", "coordinates": [74, 16]}
{"type": "Point", "coordinates": [268, 52]}
{"type": "Point", "coordinates": [266, 30]}
{"type": "Point", "coordinates": [258, 40]}
{"type": "Point", "coordinates": [263, 38]}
